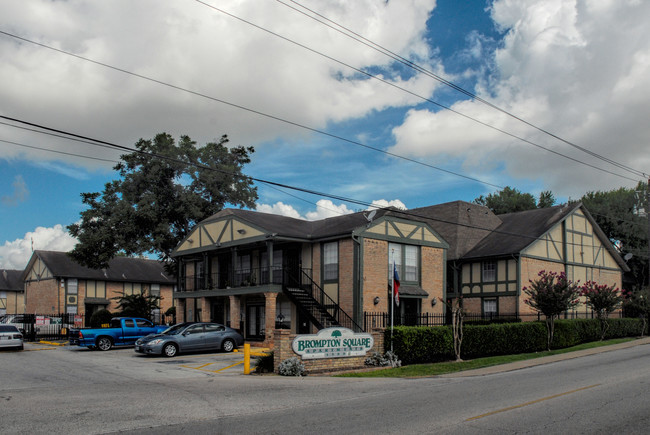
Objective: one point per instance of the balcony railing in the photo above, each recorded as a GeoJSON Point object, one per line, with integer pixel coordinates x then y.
{"type": "Point", "coordinates": [234, 279]}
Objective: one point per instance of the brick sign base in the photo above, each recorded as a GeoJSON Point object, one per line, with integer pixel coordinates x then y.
{"type": "Point", "coordinates": [282, 351]}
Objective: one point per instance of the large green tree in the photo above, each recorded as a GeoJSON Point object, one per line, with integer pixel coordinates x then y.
{"type": "Point", "coordinates": [165, 188]}
{"type": "Point", "coordinates": [618, 214]}
{"type": "Point", "coordinates": [511, 200]}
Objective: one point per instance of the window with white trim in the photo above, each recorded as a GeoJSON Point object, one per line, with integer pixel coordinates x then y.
{"type": "Point", "coordinates": [132, 288]}
{"type": "Point", "coordinates": [330, 261]}
{"type": "Point", "coordinates": [489, 307]}
{"type": "Point", "coordinates": [407, 262]}
{"type": "Point", "coordinates": [489, 271]}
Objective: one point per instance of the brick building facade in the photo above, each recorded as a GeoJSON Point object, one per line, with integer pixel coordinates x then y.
{"type": "Point", "coordinates": [54, 283]}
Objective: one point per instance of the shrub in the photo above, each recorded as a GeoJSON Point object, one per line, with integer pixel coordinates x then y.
{"type": "Point", "coordinates": [100, 317]}
{"type": "Point", "coordinates": [379, 360]}
{"type": "Point", "coordinates": [291, 367]}
{"type": "Point", "coordinates": [264, 363]}
{"type": "Point", "coordinates": [418, 344]}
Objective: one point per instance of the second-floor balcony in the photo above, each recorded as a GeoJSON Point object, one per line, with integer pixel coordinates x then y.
{"type": "Point", "coordinates": [235, 279]}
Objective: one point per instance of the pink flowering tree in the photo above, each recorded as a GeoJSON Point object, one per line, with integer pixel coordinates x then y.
{"type": "Point", "coordinates": [603, 299]}
{"type": "Point", "coordinates": [551, 294]}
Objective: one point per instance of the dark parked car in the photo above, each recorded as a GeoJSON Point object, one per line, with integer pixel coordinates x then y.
{"type": "Point", "coordinates": [190, 336]}
{"type": "Point", "coordinates": [10, 337]}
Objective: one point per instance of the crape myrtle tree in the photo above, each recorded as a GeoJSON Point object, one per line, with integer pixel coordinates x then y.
{"type": "Point", "coordinates": [637, 304]}
{"type": "Point", "coordinates": [457, 315]}
{"type": "Point", "coordinates": [602, 299]}
{"type": "Point", "coordinates": [551, 294]}
{"type": "Point", "coordinates": [165, 188]}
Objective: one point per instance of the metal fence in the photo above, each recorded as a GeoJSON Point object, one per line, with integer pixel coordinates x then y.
{"type": "Point", "coordinates": [382, 319]}
{"type": "Point", "coordinates": [35, 327]}
{"type": "Point", "coordinates": [44, 326]}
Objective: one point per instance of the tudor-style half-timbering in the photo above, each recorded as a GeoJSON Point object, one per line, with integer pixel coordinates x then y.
{"type": "Point", "coordinates": [54, 284]}
{"type": "Point", "coordinates": [559, 239]}
{"type": "Point", "coordinates": [419, 255]}
{"type": "Point", "coordinates": [249, 269]}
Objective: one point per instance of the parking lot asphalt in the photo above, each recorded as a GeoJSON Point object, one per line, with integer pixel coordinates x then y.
{"type": "Point", "coordinates": [219, 363]}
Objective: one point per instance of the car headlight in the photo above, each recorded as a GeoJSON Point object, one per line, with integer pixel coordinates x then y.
{"type": "Point", "coordinates": [156, 341]}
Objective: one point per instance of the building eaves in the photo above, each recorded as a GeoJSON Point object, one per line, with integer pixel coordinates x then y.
{"type": "Point", "coordinates": [10, 280]}
{"type": "Point", "coordinates": [519, 230]}
{"type": "Point", "coordinates": [120, 269]}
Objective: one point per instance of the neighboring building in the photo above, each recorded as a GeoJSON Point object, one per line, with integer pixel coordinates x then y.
{"type": "Point", "coordinates": [11, 292]}
{"type": "Point", "coordinates": [54, 283]}
{"type": "Point", "coordinates": [257, 272]}
{"type": "Point", "coordinates": [491, 258]}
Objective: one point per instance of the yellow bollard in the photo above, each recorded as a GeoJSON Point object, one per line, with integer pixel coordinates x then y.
{"type": "Point", "coordinates": [247, 359]}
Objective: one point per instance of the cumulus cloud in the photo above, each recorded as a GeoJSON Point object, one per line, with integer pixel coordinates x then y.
{"type": "Point", "coordinates": [578, 69]}
{"type": "Point", "coordinates": [20, 193]}
{"type": "Point", "coordinates": [201, 49]}
{"type": "Point", "coordinates": [16, 254]}
{"type": "Point", "coordinates": [325, 208]}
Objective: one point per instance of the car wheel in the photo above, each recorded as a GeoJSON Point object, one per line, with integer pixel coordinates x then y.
{"type": "Point", "coordinates": [228, 345]}
{"type": "Point", "coordinates": [170, 350]}
{"type": "Point", "coordinates": [104, 343]}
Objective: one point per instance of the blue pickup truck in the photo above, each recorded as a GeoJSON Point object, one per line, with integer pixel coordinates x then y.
{"type": "Point", "coordinates": [122, 331]}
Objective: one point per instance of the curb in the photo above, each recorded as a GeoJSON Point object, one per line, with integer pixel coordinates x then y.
{"type": "Point", "coordinates": [545, 360]}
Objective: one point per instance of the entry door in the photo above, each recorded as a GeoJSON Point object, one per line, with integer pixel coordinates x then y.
{"type": "Point", "coordinates": [255, 321]}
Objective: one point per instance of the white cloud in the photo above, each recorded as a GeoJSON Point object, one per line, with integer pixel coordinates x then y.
{"type": "Point", "coordinates": [382, 203]}
{"type": "Point", "coordinates": [16, 254]}
{"type": "Point", "coordinates": [20, 193]}
{"type": "Point", "coordinates": [279, 208]}
{"type": "Point", "coordinates": [200, 49]}
{"type": "Point", "coordinates": [578, 69]}
{"type": "Point", "coordinates": [325, 208]}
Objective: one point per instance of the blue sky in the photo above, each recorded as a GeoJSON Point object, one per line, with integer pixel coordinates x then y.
{"type": "Point", "coordinates": [565, 66]}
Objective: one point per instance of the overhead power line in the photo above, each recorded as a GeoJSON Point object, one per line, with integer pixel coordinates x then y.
{"type": "Point", "coordinates": [257, 112]}
{"type": "Point", "coordinates": [377, 47]}
{"type": "Point", "coordinates": [74, 136]}
{"type": "Point", "coordinates": [394, 85]}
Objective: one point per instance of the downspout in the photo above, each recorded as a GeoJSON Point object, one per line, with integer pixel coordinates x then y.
{"type": "Point", "coordinates": [518, 265]}
{"type": "Point", "coordinates": [357, 300]}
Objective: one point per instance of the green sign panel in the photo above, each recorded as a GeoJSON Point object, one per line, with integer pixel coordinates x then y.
{"type": "Point", "coordinates": [332, 343]}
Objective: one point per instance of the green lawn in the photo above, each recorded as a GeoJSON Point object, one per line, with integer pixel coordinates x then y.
{"type": "Point", "coordinates": [441, 368]}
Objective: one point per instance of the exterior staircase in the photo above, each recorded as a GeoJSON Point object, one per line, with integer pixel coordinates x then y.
{"type": "Point", "coordinates": [321, 310]}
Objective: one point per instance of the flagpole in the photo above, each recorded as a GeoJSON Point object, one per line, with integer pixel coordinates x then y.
{"type": "Point", "coordinates": [392, 299]}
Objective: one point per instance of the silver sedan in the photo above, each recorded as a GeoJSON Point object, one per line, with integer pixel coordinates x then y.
{"type": "Point", "coordinates": [188, 337]}
{"type": "Point", "coordinates": [10, 337]}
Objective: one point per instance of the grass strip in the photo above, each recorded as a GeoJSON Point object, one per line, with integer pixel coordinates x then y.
{"type": "Point", "coordinates": [434, 369]}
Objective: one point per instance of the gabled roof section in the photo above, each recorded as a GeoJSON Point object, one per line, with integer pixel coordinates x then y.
{"type": "Point", "coordinates": [232, 226]}
{"type": "Point", "coordinates": [518, 230]}
{"type": "Point", "coordinates": [461, 224]}
{"type": "Point", "coordinates": [120, 269]}
{"type": "Point", "coordinates": [10, 280]}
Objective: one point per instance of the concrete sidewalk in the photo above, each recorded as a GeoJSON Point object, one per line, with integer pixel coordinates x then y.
{"type": "Point", "coordinates": [545, 359]}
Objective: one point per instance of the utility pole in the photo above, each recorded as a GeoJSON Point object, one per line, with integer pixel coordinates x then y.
{"type": "Point", "coordinates": [647, 213]}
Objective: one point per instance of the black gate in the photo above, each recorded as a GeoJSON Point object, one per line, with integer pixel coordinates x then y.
{"type": "Point", "coordinates": [37, 327]}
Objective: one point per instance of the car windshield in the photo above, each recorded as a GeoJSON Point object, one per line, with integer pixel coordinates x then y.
{"type": "Point", "coordinates": [176, 329]}
{"type": "Point", "coordinates": [8, 328]}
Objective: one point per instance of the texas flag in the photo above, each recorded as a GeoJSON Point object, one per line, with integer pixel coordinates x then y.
{"type": "Point", "coordinates": [395, 284]}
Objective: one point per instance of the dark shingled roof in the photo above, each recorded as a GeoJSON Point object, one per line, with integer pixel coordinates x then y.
{"type": "Point", "coordinates": [10, 280]}
{"type": "Point", "coordinates": [284, 226]}
{"type": "Point", "coordinates": [120, 269]}
{"type": "Point", "coordinates": [518, 230]}
{"type": "Point", "coordinates": [461, 224]}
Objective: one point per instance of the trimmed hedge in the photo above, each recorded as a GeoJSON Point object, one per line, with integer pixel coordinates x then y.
{"type": "Point", "coordinates": [419, 344]}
